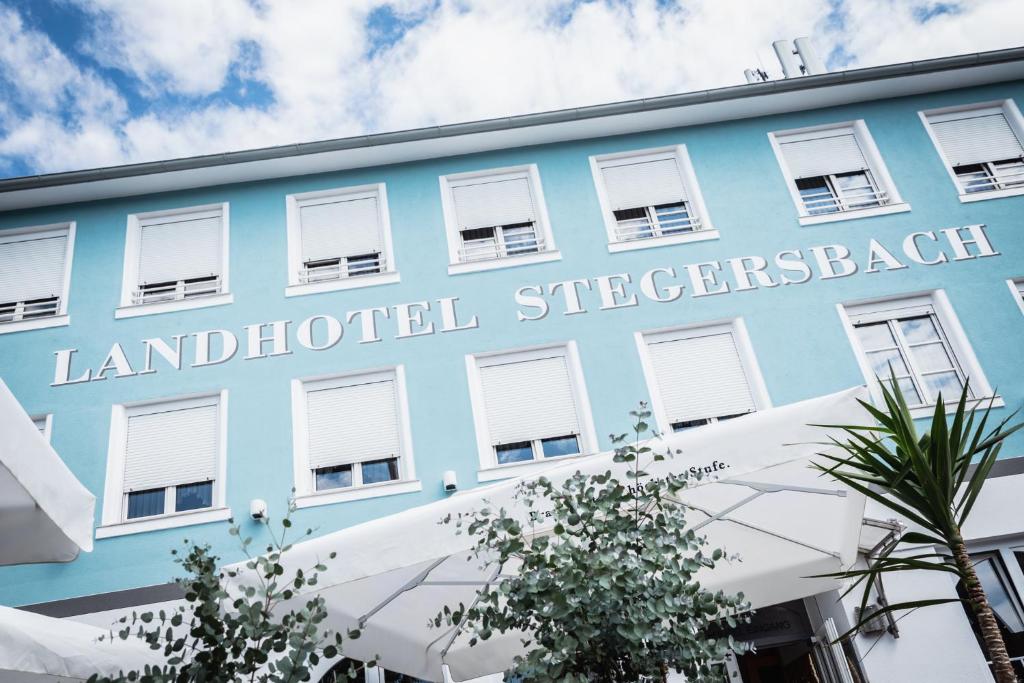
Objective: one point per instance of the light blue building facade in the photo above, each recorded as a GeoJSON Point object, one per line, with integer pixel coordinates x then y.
{"type": "Point", "coordinates": [820, 224]}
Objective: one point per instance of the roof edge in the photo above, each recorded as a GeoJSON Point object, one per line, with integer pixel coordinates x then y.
{"type": "Point", "coordinates": [723, 94]}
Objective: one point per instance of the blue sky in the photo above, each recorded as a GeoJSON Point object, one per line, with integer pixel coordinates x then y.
{"type": "Point", "coordinates": [90, 83]}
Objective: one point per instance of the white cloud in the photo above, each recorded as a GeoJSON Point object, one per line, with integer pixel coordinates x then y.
{"type": "Point", "coordinates": [464, 59]}
{"type": "Point", "coordinates": [184, 46]}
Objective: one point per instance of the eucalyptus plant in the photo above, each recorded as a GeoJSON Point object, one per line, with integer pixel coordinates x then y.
{"type": "Point", "coordinates": [602, 582]}
{"type": "Point", "coordinates": [931, 480]}
{"type": "Point", "coordinates": [242, 634]}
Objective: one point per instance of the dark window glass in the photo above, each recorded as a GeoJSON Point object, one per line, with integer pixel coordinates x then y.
{"type": "Point", "coordinates": [560, 445]}
{"type": "Point", "coordinates": [689, 424]}
{"type": "Point", "coordinates": [817, 196]}
{"type": "Point", "coordinates": [634, 223]}
{"type": "Point", "coordinates": [40, 308]}
{"type": "Point", "coordinates": [520, 238]}
{"type": "Point", "coordinates": [193, 496]}
{"type": "Point", "coordinates": [478, 234]}
{"type": "Point", "coordinates": [145, 503]}
{"type": "Point", "coordinates": [730, 417]}
{"type": "Point", "coordinates": [974, 178]}
{"type": "Point", "coordinates": [199, 286]}
{"type": "Point", "coordinates": [333, 477]}
{"type": "Point", "coordinates": [364, 264]}
{"type": "Point", "coordinates": [377, 471]}
{"type": "Point", "coordinates": [999, 596]}
{"type": "Point", "coordinates": [674, 218]}
{"type": "Point", "coordinates": [392, 677]}
{"type": "Point", "coordinates": [514, 452]}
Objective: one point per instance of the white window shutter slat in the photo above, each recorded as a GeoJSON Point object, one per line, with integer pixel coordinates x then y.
{"type": "Point", "coordinates": [180, 248]}
{"type": "Point", "coordinates": [176, 446]}
{"type": "Point", "coordinates": [352, 423]}
{"type": "Point", "coordinates": [976, 139]}
{"type": "Point", "coordinates": [32, 268]}
{"type": "Point", "coordinates": [833, 152]}
{"type": "Point", "coordinates": [341, 228]}
{"type": "Point", "coordinates": [701, 377]}
{"type": "Point", "coordinates": [493, 202]}
{"type": "Point", "coordinates": [528, 400]}
{"type": "Point", "coordinates": [647, 183]}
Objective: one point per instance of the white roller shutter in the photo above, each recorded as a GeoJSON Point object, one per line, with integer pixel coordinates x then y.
{"type": "Point", "coordinates": [835, 151]}
{"type": "Point", "coordinates": [32, 268]}
{"type": "Point", "coordinates": [700, 377]}
{"type": "Point", "coordinates": [493, 202]}
{"type": "Point", "coordinates": [977, 137]}
{"type": "Point", "coordinates": [631, 185]}
{"type": "Point", "coordinates": [174, 446]}
{"type": "Point", "coordinates": [180, 247]}
{"type": "Point", "coordinates": [531, 399]}
{"type": "Point", "coordinates": [339, 228]}
{"type": "Point", "coordinates": [352, 424]}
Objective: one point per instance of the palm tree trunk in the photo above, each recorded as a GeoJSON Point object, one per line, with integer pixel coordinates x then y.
{"type": "Point", "coordinates": [986, 619]}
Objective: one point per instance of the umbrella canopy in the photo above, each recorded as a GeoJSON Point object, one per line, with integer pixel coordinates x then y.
{"type": "Point", "coordinates": [34, 647]}
{"type": "Point", "coordinates": [46, 514]}
{"type": "Point", "coordinates": [760, 499]}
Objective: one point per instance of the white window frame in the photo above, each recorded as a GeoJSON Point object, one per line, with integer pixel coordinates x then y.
{"type": "Point", "coordinates": [490, 470]}
{"type": "Point", "coordinates": [130, 277]}
{"type": "Point", "coordinates": [62, 318]}
{"type": "Point", "coordinates": [306, 494]}
{"type": "Point", "coordinates": [113, 520]}
{"type": "Point", "coordinates": [1016, 123]}
{"type": "Point", "coordinates": [695, 199]}
{"type": "Point", "coordinates": [741, 338]}
{"type": "Point", "coordinates": [877, 167]}
{"type": "Point", "coordinates": [542, 223]}
{"type": "Point", "coordinates": [887, 308]}
{"type": "Point", "coordinates": [293, 204]}
{"type": "Point", "coordinates": [1016, 286]}
{"type": "Point", "coordinates": [47, 419]}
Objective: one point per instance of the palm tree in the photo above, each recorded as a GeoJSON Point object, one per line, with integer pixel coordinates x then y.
{"type": "Point", "coordinates": [928, 480]}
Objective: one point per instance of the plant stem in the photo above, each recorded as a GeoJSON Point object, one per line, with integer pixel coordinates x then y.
{"type": "Point", "coordinates": [983, 611]}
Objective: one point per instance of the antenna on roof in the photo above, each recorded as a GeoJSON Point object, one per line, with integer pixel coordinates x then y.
{"type": "Point", "coordinates": [802, 61]}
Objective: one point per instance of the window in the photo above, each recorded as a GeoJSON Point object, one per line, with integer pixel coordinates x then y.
{"type": "Point", "coordinates": [700, 375]}
{"type": "Point", "coordinates": [1017, 290]}
{"type": "Point", "coordinates": [529, 407]}
{"type": "Point", "coordinates": [352, 438]}
{"type": "Point", "coordinates": [650, 198]}
{"type": "Point", "coordinates": [981, 146]}
{"type": "Point", "coordinates": [339, 239]}
{"type": "Point", "coordinates": [166, 459]}
{"type": "Point", "coordinates": [835, 172]}
{"type": "Point", "coordinates": [495, 219]}
{"type": "Point", "coordinates": [999, 572]}
{"type": "Point", "coordinates": [920, 338]}
{"type": "Point", "coordinates": [35, 270]}
{"type": "Point", "coordinates": [175, 260]}
{"type": "Point", "coordinates": [44, 424]}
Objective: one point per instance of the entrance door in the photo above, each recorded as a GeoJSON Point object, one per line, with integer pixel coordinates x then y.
{"type": "Point", "coordinates": [814, 659]}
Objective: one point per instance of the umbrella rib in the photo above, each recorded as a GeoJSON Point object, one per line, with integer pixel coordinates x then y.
{"type": "Point", "coordinates": [721, 517]}
{"type": "Point", "coordinates": [723, 513]}
{"type": "Point", "coordinates": [415, 581]}
{"type": "Point", "coordinates": [778, 488]}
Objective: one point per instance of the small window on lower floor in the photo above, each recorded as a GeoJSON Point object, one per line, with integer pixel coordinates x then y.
{"type": "Point", "coordinates": [701, 375]}
{"type": "Point", "coordinates": [353, 433]}
{"type": "Point", "coordinates": [532, 406]}
{"type": "Point", "coordinates": [918, 341]}
{"type": "Point", "coordinates": [171, 457]}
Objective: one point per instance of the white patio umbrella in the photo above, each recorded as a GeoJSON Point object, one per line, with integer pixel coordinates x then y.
{"type": "Point", "coordinates": [761, 500]}
{"type": "Point", "coordinates": [46, 515]}
{"type": "Point", "coordinates": [35, 648]}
